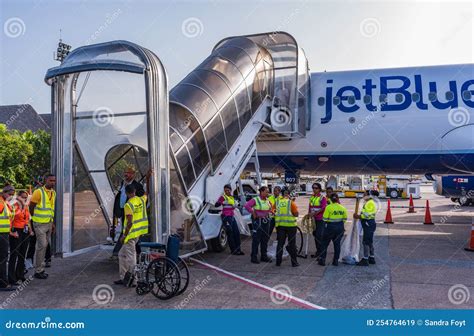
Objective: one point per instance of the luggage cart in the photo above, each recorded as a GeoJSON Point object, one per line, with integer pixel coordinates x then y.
{"type": "Point", "coordinates": [160, 270]}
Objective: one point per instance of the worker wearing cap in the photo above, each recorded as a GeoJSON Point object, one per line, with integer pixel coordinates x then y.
{"type": "Point", "coordinates": [260, 208]}
{"type": "Point", "coordinates": [228, 220]}
{"type": "Point", "coordinates": [367, 219]}
{"type": "Point", "coordinates": [135, 226]}
{"type": "Point", "coordinates": [286, 215]}
{"type": "Point", "coordinates": [274, 198]}
{"type": "Point", "coordinates": [335, 215]}
{"type": "Point", "coordinates": [42, 205]}
{"type": "Point", "coordinates": [120, 201]}
{"type": "Point", "coordinates": [317, 205]}
{"type": "Point", "coordinates": [7, 214]}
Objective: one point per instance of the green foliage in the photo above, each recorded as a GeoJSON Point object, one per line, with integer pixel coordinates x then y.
{"type": "Point", "coordinates": [23, 156]}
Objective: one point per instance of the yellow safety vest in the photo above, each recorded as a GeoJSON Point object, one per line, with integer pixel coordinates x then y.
{"type": "Point", "coordinates": [283, 215]}
{"type": "Point", "coordinates": [139, 218]}
{"type": "Point", "coordinates": [315, 203]}
{"type": "Point", "coordinates": [262, 205]}
{"type": "Point", "coordinates": [335, 213]}
{"type": "Point", "coordinates": [5, 218]}
{"type": "Point", "coordinates": [369, 210]}
{"type": "Point", "coordinates": [229, 202]}
{"type": "Point", "coordinates": [44, 211]}
{"type": "Point", "coordinates": [274, 199]}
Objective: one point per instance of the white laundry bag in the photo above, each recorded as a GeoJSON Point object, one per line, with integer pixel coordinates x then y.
{"type": "Point", "coordinates": [271, 252]}
{"type": "Point", "coordinates": [351, 244]}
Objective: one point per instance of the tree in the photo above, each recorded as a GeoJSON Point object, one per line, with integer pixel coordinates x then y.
{"type": "Point", "coordinates": [23, 156]}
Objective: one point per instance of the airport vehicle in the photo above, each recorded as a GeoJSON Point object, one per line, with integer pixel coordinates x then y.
{"type": "Point", "coordinates": [252, 101]}
{"type": "Point", "coordinates": [460, 188]}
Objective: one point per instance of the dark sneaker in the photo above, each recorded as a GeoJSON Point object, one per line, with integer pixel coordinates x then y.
{"type": "Point", "coordinates": [266, 259]}
{"type": "Point", "coordinates": [47, 264]}
{"type": "Point", "coordinates": [294, 264]}
{"type": "Point", "coordinates": [363, 262]}
{"type": "Point", "coordinates": [335, 263]}
{"type": "Point", "coordinates": [314, 256]}
{"type": "Point", "coordinates": [41, 275]}
{"type": "Point", "coordinates": [119, 282]}
{"type": "Point", "coordinates": [238, 253]}
{"type": "Point", "coordinates": [254, 261]}
{"type": "Point", "coordinates": [321, 262]}
{"type": "Point", "coordinates": [372, 260]}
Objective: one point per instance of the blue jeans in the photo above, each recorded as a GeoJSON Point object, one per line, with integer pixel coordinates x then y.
{"type": "Point", "coordinates": [233, 233]}
{"type": "Point", "coordinates": [368, 227]}
{"type": "Point", "coordinates": [260, 228]}
{"type": "Point", "coordinates": [332, 232]}
{"type": "Point", "coordinates": [318, 234]}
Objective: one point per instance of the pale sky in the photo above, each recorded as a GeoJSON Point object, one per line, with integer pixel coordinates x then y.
{"type": "Point", "coordinates": [336, 35]}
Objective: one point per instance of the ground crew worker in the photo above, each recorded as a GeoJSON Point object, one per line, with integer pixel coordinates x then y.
{"type": "Point", "coordinates": [317, 205]}
{"type": "Point", "coordinates": [273, 198]}
{"type": "Point", "coordinates": [42, 215]}
{"type": "Point", "coordinates": [367, 218]}
{"type": "Point", "coordinates": [286, 215]}
{"type": "Point", "coordinates": [228, 220]}
{"type": "Point", "coordinates": [6, 219]}
{"type": "Point", "coordinates": [19, 244]}
{"type": "Point", "coordinates": [329, 191]}
{"type": "Point", "coordinates": [136, 225]}
{"type": "Point", "coordinates": [335, 215]}
{"type": "Point", "coordinates": [260, 208]}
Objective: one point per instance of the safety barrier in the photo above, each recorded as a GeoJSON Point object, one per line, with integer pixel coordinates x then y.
{"type": "Point", "coordinates": [411, 209]}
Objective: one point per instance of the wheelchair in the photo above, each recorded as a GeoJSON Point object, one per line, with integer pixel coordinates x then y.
{"type": "Point", "coordinates": [160, 270]}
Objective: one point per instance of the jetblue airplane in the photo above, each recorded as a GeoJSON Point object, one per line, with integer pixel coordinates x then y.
{"type": "Point", "coordinates": [416, 120]}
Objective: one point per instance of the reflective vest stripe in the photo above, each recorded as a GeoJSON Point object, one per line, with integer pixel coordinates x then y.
{"type": "Point", "coordinates": [369, 210]}
{"type": "Point", "coordinates": [283, 215]}
{"type": "Point", "coordinates": [44, 212]}
{"type": "Point", "coordinates": [262, 206]}
{"type": "Point", "coordinates": [229, 202]}
{"type": "Point", "coordinates": [139, 220]}
{"type": "Point", "coordinates": [5, 217]}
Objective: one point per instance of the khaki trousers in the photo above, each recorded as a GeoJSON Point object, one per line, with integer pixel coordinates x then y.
{"type": "Point", "coordinates": [43, 238]}
{"type": "Point", "coordinates": [127, 257]}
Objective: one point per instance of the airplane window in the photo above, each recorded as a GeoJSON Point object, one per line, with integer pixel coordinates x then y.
{"type": "Point", "coordinates": [466, 95]}
{"type": "Point", "coordinates": [336, 100]}
{"type": "Point", "coordinates": [415, 97]}
{"type": "Point", "coordinates": [449, 95]}
{"type": "Point", "coordinates": [367, 99]}
{"type": "Point", "coordinates": [383, 98]}
{"type": "Point", "coordinates": [351, 100]}
{"type": "Point", "coordinates": [321, 101]}
{"type": "Point", "coordinates": [399, 98]}
{"type": "Point", "coordinates": [432, 96]}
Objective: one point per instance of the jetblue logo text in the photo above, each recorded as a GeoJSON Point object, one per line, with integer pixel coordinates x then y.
{"type": "Point", "coordinates": [348, 98]}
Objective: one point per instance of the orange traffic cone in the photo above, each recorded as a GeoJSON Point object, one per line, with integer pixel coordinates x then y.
{"type": "Point", "coordinates": [388, 215]}
{"type": "Point", "coordinates": [471, 243]}
{"type": "Point", "coordinates": [411, 206]}
{"type": "Point", "coordinates": [428, 214]}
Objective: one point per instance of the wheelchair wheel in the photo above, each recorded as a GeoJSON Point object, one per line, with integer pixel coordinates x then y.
{"type": "Point", "coordinates": [299, 240]}
{"type": "Point", "coordinates": [164, 277]}
{"type": "Point", "coordinates": [184, 270]}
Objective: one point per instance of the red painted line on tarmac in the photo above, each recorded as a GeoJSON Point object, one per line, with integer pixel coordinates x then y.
{"type": "Point", "coordinates": [300, 302]}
